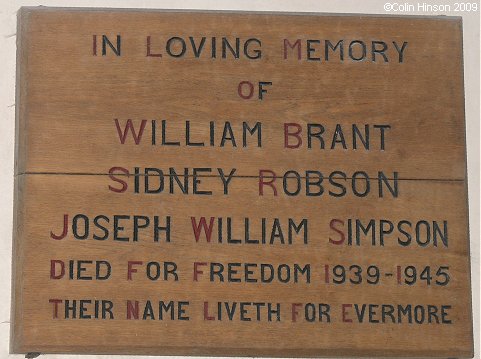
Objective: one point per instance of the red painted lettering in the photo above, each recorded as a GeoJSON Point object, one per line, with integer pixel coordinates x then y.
{"type": "Point", "coordinates": [118, 180]}
{"type": "Point", "coordinates": [269, 182]}
{"type": "Point", "coordinates": [341, 233]}
{"type": "Point", "coordinates": [150, 54]}
{"type": "Point", "coordinates": [64, 230]}
{"type": "Point", "coordinates": [198, 271]}
{"type": "Point", "coordinates": [133, 309]}
{"type": "Point", "coordinates": [53, 267]}
{"type": "Point", "coordinates": [294, 311]}
{"type": "Point", "coordinates": [94, 45]}
{"type": "Point", "coordinates": [206, 312]}
{"type": "Point", "coordinates": [292, 46]}
{"type": "Point", "coordinates": [345, 313]}
{"type": "Point", "coordinates": [130, 268]}
{"type": "Point", "coordinates": [240, 91]}
{"type": "Point", "coordinates": [294, 134]}
{"type": "Point", "coordinates": [202, 225]}
{"type": "Point", "coordinates": [55, 306]}
{"type": "Point", "coordinates": [130, 126]}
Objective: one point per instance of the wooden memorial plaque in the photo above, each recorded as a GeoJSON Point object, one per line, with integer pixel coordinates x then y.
{"type": "Point", "coordinates": [249, 184]}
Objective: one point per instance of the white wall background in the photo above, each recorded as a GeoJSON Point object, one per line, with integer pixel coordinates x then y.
{"type": "Point", "coordinates": [8, 11]}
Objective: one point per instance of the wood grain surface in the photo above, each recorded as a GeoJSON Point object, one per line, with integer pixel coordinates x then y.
{"type": "Point", "coordinates": [327, 218]}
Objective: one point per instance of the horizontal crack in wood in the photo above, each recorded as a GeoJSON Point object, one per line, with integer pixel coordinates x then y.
{"type": "Point", "coordinates": [234, 176]}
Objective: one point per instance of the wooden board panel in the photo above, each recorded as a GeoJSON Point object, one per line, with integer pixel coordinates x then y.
{"type": "Point", "coordinates": [356, 245]}
{"type": "Point", "coordinates": [134, 86]}
{"type": "Point", "coordinates": [76, 195]}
